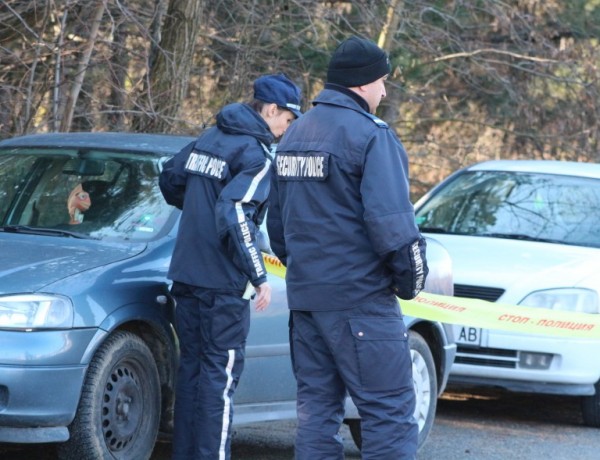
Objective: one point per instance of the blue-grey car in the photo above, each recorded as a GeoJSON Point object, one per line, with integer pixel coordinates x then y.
{"type": "Point", "coordinates": [88, 347]}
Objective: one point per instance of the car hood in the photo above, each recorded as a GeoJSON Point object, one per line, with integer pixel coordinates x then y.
{"type": "Point", "coordinates": [519, 267]}
{"type": "Point", "coordinates": [31, 262]}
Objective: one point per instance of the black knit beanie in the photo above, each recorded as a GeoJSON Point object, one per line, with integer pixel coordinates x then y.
{"type": "Point", "coordinates": [357, 61]}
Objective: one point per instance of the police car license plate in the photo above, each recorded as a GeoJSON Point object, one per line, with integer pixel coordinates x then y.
{"type": "Point", "coordinates": [466, 335]}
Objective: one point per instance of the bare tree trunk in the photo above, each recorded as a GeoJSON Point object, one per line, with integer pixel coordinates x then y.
{"type": "Point", "coordinates": [170, 67]}
{"type": "Point", "coordinates": [156, 28]}
{"type": "Point", "coordinates": [81, 68]}
{"type": "Point", "coordinates": [115, 116]}
{"type": "Point", "coordinates": [55, 122]}
{"type": "Point", "coordinates": [30, 97]}
{"type": "Point", "coordinates": [392, 19]}
{"type": "Point", "coordinates": [390, 108]}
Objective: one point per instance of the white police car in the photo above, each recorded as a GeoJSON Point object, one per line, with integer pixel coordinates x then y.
{"type": "Point", "coordinates": [523, 233]}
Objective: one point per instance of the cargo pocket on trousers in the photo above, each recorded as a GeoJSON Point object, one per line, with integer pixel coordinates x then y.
{"type": "Point", "coordinates": [230, 318]}
{"type": "Point", "coordinates": [382, 353]}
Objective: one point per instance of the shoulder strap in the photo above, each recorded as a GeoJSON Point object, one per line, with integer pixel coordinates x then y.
{"type": "Point", "coordinates": [378, 121]}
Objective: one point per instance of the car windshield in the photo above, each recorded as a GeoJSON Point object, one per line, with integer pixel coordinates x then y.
{"type": "Point", "coordinates": [86, 193]}
{"type": "Point", "coordinates": [528, 206]}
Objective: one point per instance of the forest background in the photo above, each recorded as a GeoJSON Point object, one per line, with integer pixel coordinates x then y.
{"type": "Point", "coordinates": [471, 80]}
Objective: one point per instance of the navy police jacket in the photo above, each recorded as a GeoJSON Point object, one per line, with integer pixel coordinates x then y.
{"type": "Point", "coordinates": [221, 183]}
{"type": "Point", "coordinates": [340, 216]}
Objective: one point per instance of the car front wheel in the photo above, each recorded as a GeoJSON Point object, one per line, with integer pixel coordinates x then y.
{"type": "Point", "coordinates": [119, 410]}
{"type": "Point", "coordinates": [425, 382]}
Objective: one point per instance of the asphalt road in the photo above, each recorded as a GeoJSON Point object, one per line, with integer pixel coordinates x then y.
{"type": "Point", "coordinates": [490, 425]}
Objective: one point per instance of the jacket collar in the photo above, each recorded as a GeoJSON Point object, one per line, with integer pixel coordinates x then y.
{"type": "Point", "coordinates": [348, 92]}
{"type": "Point", "coordinates": [240, 118]}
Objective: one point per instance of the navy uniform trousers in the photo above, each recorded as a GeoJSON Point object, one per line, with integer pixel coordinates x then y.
{"type": "Point", "coordinates": [363, 351]}
{"type": "Point", "coordinates": [212, 328]}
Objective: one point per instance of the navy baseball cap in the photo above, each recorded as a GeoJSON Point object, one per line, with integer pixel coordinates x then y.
{"type": "Point", "coordinates": [278, 89]}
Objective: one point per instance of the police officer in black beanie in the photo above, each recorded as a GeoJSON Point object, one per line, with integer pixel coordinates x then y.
{"type": "Point", "coordinates": [357, 62]}
{"type": "Point", "coordinates": [341, 220]}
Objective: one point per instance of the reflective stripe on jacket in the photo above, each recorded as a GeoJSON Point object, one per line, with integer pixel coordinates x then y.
{"type": "Point", "coordinates": [221, 183]}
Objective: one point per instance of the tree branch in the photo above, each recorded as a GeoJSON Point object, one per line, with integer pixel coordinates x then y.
{"type": "Point", "coordinates": [491, 50]}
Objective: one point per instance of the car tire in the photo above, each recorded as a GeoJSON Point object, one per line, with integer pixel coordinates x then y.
{"type": "Point", "coordinates": [425, 381]}
{"type": "Point", "coordinates": [119, 409]}
{"type": "Point", "coordinates": [590, 408]}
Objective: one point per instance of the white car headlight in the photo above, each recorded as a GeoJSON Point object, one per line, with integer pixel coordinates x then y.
{"type": "Point", "coordinates": [567, 299]}
{"type": "Point", "coordinates": [35, 311]}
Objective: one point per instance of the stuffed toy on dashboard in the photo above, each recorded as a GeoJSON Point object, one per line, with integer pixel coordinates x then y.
{"type": "Point", "coordinates": [79, 202]}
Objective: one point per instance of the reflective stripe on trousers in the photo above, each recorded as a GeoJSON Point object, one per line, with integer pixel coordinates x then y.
{"type": "Point", "coordinates": [212, 328]}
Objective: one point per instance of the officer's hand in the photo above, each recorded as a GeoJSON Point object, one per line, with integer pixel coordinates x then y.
{"type": "Point", "coordinates": [263, 297]}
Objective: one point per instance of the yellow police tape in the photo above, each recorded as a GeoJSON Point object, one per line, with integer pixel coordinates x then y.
{"type": "Point", "coordinates": [488, 315]}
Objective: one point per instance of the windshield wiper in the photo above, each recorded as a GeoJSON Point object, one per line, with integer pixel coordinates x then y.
{"type": "Point", "coordinates": [43, 231]}
{"type": "Point", "coordinates": [520, 236]}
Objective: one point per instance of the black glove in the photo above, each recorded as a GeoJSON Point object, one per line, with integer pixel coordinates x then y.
{"type": "Point", "coordinates": [409, 267]}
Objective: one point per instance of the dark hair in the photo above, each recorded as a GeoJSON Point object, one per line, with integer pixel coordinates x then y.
{"type": "Point", "coordinates": [259, 105]}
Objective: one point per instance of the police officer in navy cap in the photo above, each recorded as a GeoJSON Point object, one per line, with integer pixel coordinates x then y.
{"type": "Point", "coordinates": [221, 184]}
{"type": "Point", "coordinates": [341, 220]}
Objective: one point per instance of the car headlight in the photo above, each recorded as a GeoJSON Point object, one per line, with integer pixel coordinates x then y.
{"type": "Point", "coordinates": [35, 311]}
{"type": "Point", "coordinates": [567, 299]}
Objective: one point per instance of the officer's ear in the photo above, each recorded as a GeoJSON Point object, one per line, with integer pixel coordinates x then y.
{"type": "Point", "coordinates": [269, 111]}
